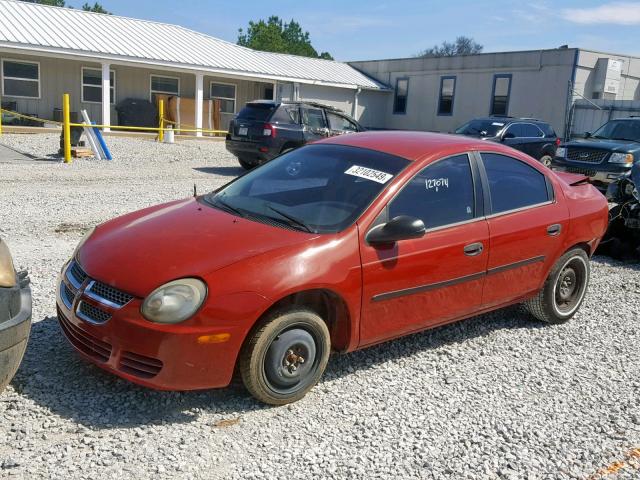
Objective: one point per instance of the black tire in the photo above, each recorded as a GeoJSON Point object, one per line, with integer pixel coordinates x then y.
{"type": "Point", "coordinates": [246, 165]}
{"type": "Point", "coordinates": [564, 289]}
{"type": "Point", "coordinates": [285, 356]}
{"type": "Point", "coordinates": [546, 160]}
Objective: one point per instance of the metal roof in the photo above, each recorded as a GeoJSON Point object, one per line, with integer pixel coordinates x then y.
{"type": "Point", "coordinates": [55, 30]}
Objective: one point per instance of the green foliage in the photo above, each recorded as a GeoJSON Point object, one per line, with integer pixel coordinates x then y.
{"type": "Point", "coordinates": [462, 46]}
{"type": "Point", "coordinates": [276, 36]}
{"type": "Point", "coordinates": [55, 3]}
{"type": "Point", "coordinates": [95, 8]}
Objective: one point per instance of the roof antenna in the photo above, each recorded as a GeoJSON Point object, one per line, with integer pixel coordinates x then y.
{"type": "Point", "coordinates": [195, 190]}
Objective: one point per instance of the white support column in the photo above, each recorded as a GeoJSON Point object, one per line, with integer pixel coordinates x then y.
{"type": "Point", "coordinates": [106, 96]}
{"type": "Point", "coordinates": [355, 103]}
{"type": "Point", "coordinates": [199, 101]}
{"type": "Point", "coordinates": [275, 91]}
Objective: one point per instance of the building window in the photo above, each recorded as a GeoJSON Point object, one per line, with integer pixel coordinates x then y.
{"type": "Point", "coordinates": [500, 96]}
{"type": "Point", "coordinates": [226, 93]}
{"type": "Point", "coordinates": [402, 92]}
{"type": "Point", "coordinates": [447, 92]}
{"type": "Point", "coordinates": [20, 79]}
{"type": "Point", "coordinates": [164, 85]}
{"type": "Point", "coordinates": [92, 85]}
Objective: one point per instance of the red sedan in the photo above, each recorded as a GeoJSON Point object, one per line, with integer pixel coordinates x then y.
{"type": "Point", "coordinates": [336, 246]}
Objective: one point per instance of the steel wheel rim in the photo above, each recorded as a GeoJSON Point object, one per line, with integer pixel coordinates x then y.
{"type": "Point", "coordinates": [570, 286]}
{"type": "Point", "coordinates": [291, 360]}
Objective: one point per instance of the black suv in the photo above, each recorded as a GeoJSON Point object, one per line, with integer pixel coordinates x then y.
{"type": "Point", "coordinates": [264, 128]}
{"type": "Point", "coordinates": [533, 137]}
{"type": "Point", "coordinates": [604, 155]}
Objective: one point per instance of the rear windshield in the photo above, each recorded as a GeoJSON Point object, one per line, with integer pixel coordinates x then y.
{"type": "Point", "coordinates": [257, 111]}
{"type": "Point", "coordinates": [482, 128]}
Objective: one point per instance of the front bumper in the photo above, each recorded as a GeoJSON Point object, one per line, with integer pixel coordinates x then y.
{"type": "Point", "coordinates": [15, 325]}
{"type": "Point", "coordinates": [254, 153]}
{"type": "Point", "coordinates": [600, 174]}
{"type": "Point", "coordinates": [162, 357]}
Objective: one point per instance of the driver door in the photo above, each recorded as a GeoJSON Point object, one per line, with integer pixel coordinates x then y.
{"type": "Point", "coordinates": [418, 283]}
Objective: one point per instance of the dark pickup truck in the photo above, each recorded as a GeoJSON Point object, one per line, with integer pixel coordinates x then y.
{"type": "Point", "coordinates": [604, 155]}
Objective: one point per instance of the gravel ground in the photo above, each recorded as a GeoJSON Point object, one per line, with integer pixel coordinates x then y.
{"type": "Point", "coordinates": [495, 397]}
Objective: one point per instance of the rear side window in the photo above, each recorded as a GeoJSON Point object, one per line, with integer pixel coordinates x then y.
{"type": "Point", "coordinates": [547, 129]}
{"type": "Point", "coordinates": [259, 112]}
{"type": "Point", "coordinates": [441, 194]}
{"type": "Point", "coordinates": [513, 184]}
{"type": "Point", "coordinates": [287, 114]}
{"type": "Point", "coordinates": [313, 118]}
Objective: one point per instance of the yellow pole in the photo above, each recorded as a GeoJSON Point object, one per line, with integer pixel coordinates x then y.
{"type": "Point", "coordinates": [161, 114]}
{"type": "Point", "coordinates": [66, 127]}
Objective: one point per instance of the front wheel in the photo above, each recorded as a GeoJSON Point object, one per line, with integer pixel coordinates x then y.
{"type": "Point", "coordinates": [285, 356]}
{"type": "Point", "coordinates": [564, 289]}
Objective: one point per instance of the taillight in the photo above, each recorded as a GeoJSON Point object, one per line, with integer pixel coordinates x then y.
{"type": "Point", "coordinates": [557, 141]}
{"type": "Point", "coordinates": [269, 130]}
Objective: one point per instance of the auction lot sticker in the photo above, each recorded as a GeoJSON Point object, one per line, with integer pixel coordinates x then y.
{"type": "Point", "coordinates": [369, 174]}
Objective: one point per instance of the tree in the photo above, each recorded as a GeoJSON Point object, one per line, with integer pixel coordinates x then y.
{"type": "Point", "coordinates": [462, 46]}
{"type": "Point", "coordinates": [96, 7]}
{"type": "Point", "coordinates": [276, 36]}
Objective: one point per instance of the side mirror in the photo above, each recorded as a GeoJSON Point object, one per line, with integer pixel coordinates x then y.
{"type": "Point", "coordinates": [402, 227]}
{"type": "Point", "coordinates": [587, 134]}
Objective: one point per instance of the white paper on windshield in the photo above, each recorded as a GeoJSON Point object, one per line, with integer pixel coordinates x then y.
{"type": "Point", "coordinates": [498, 124]}
{"type": "Point", "coordinates": [369, 174]}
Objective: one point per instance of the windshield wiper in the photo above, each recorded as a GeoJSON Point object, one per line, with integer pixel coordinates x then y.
{"type": "Point", "coordinates": [293, 220]}
{"type": "Point", "coordinates": [218, 202]}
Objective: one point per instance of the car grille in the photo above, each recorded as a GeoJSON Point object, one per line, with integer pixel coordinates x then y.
{"type": "Point", "coordinates": [67, 295]}
{"type": "Point", "coordinates": [584, 171]}
{"type": "Point", "coordinates": [76, 275]}
{"type": "Point", "coordinates": [586, 155]}
{"type": "Point", "coordinates": [83, 341]}
{"type": "Point", "coordinates": [92, 314]}
{"type": "Point", "coordinates": [100, 292]}
{"type": "Point", "coordinates": [139, 365]}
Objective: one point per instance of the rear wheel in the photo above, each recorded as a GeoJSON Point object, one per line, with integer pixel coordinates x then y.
{"type": "Point", "coordinates": [246, 165]}
{"type": "Point", "coordinates": [546, 160]}
{"type": "Point", "coordinates": [564, 289]}
{"type": "Point", "coordinates": [285, 356]}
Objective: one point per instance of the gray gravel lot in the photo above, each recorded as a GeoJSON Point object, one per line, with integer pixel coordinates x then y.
{"type": "Point", "coordinates": [496, 396]}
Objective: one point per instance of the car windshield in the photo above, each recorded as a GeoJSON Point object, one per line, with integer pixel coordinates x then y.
{"type": "Point", "coordinates": [619, 130]}
{"type": "Point", "coordinates": [257, 111]}
{"type": "Point", "coordinates": [482, 128]}
{"type": "Point", "coordinates": [316, 188]}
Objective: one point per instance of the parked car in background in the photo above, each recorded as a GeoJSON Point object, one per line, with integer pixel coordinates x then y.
{"type": "Point", "coordinates": [264, 129]}
{"type": "Point", "coordinates": [603, 156]}
{"type": "Point", "coordinates": [337, 245]}
{"type": "Point", "coordinates": [533, 137]}
{"type": "Point", "coordinates": [15, 316]}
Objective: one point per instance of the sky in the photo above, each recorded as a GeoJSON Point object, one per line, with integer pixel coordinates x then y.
{"type": "Point", "coordinates": [378, 29]}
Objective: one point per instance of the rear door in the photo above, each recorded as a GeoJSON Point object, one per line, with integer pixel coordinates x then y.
{"type": "Point", "coordinates": [535, 141]}
{"type": "Point", "coordinates": [526, 227]}
{"type": "Point", "coordinates": [513, 137]}
{"type": "Point", "coordinates": [315, 123]}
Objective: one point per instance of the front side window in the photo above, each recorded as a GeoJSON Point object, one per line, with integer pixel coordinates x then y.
{"type": "Point", "coordinates": [338, 123]}
{"type": "Point", "coordinates": [20, 79]}
{"type": "Point", "coordinates": [529, 130]}
{"type": "Point", "coordinates": [514, 131]}
{"type": "Point", "coordinates": [226, 93]}
{"type": "Point", "coordinates": [92, 85]}
{"type": "Point", "coordinates": [164, 86]}
{"type": "Point", "coordinates": [318, 188]}
{"type": "Point", "coordinates": [447, 92]}
{"type": "Point", "coordinates": [402, 92]}
{"type": "Point", "coordinates": [441, 194]}
{"type": "Point", "coordinates": [481, 127]}
{"type": "Point", "coordinates": [513, 184]}
{"type": "Point", "coordinates": [500, 95]}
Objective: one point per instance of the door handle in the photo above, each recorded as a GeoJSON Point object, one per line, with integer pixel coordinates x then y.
{"type": "Point", "coordinates": [473, 249]}
{"type": "Point", "coordinates": [554, 230]}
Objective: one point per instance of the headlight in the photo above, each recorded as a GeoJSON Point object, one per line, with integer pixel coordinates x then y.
{"type": "Point", "coordinates": [175, 301]}
{"type": "Point", "coordinates": [7, 272]}
{"type": "Point", "coordinates": [561, 152]}
{"type": "Point", "coordinates": [621, 158]}
{"type": "Point", "coordinates": [83, 240]}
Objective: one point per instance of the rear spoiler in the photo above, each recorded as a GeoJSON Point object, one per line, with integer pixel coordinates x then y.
{"type": "Point", "coordinates": [573, 179]}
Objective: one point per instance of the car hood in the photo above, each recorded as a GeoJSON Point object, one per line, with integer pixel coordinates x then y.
{"type": "Point", "coordinates": [609, 145]}
{"type": "Point", "coordinates": [140, 251]}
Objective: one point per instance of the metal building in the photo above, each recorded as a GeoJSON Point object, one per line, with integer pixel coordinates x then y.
{"type": "Point", "coordinates": [440, 94]}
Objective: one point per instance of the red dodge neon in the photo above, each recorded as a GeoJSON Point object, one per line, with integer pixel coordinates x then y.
{"type": "Point", "coordinates": [336, 246]}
